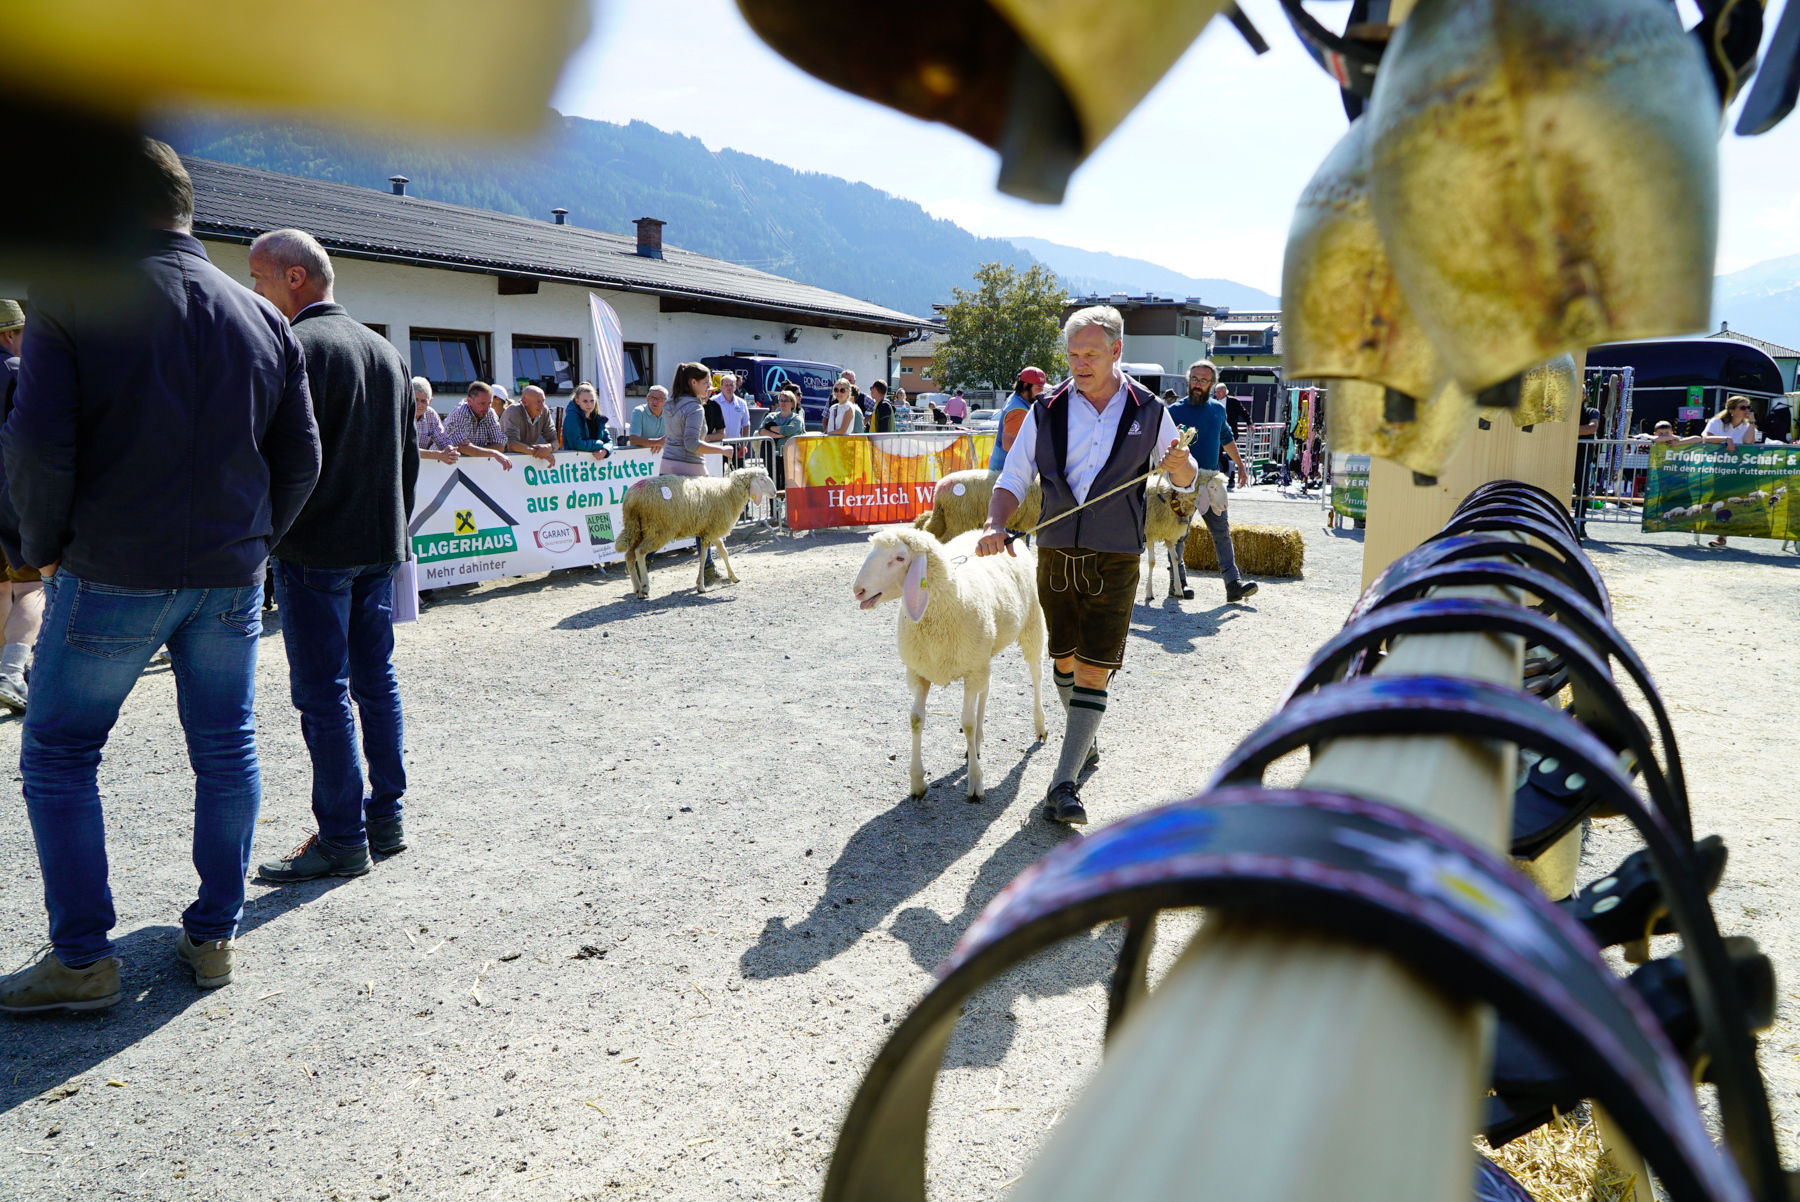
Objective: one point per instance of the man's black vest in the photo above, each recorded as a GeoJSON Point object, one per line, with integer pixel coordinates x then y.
{"type": "Point", "coordinates": [1117, 523]}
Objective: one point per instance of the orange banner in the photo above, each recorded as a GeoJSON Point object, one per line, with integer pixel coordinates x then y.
{"type": "Point", "coordinates": [873, 479]}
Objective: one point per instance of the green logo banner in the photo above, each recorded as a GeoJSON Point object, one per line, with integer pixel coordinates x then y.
{"type": "Point", "coordinates": [1722, 490]}
{"type": "Point", "coordinates": [430, 548]}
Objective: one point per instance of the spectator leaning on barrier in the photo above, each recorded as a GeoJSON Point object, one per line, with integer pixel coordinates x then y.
{"type": "Point", "coordinates": [428, 427]}
{"type": "Point", "coordinates": [845, 415]}
{"type": "Point", "coordinates": [733, 406]}
{"type": "Point", "coordinates": [782, 425]}
{"type": "Point", "coordinates": [883, 422]}
{"type": "Point", "coordinates": [1213, 443]}
{"type": "Point", "coordinates": [21, 590]}
{"type": "Point", "coordinates": [156, 534]}
{"type": "Point", "coordinates": [647, 427]}
{"type": "Point", "coordinates": [530, 426]}
{"type": "Point", "coordinates": [1732, 427]}
{"type": "Point", "coordinates": [473, 429]}
{"type": "Point", "coordinates": [334, 570]}
{"type": "Point", "coordinates": [1029, 387]}
{"type": "Point", "coordinates": [584, 426]}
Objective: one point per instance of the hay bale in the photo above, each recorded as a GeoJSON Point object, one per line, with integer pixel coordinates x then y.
{"type": "Point", "coordinates": [1563, 1161]}
{"type": "Point", "coordinates": [1273, 551]}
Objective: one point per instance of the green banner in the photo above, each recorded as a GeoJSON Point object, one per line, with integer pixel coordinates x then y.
{"type": "Point", "coordinates": [1350, 486]}
{"type": "Point", "coordinates": [1722, 490]}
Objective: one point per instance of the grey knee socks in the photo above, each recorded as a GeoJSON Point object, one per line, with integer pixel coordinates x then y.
{"type": "Point", "coordinates": [1065, 686]}
{"type": "Point", "coordinates": [1086, 708]}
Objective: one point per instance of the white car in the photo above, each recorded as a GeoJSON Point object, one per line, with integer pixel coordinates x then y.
{"type": "Point", "coordinates": [982, 420]}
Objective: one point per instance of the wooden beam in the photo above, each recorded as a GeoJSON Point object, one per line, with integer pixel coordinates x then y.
{"type": "Point", "coordinates": [1275, 1064]}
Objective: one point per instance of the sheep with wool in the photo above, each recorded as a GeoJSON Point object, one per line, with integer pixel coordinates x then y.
{"type": "Point", "coordinates": [959, 612]}
{"type": "Point", "coordinates": [1167, 514]}
{"type": "Point", "coordinates": [658, 510]}
{"type": "Point", "coordinates": [961, 503]}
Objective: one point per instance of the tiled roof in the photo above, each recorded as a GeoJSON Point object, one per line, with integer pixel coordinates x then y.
{"type": "Point", "coordinates": [1775, 349]}
{"type": "Point", "coordinates": [237, 203]}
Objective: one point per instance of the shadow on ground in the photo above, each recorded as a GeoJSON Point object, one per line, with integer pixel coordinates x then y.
{"type": "Point", "coordinates": [889, 858]}
{"type": "Point", "coordinates": [46, 1051]}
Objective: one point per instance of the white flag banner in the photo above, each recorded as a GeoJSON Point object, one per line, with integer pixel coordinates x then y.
{"type": "Point", "coordinates": [609, 380]}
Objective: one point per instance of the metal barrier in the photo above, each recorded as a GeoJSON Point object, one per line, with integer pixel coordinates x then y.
{"type": "Point", "coordinates": [1256, 443]}
{"type": "Point", "coordinates": [1611, 473]}
{"type": "Point", "coordinates": [761, 448]}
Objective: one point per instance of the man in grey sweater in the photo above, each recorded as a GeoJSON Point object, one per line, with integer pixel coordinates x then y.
{"type": "Point", "coordinates": [334, 571]}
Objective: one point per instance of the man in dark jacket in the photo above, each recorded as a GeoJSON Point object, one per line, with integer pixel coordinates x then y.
{"type": "Point", "coordinates": [160, 442]}
{"type": "Point", "coordinates": [334, 572]}
{"type": "Point", "coordinates": [1090, 442]}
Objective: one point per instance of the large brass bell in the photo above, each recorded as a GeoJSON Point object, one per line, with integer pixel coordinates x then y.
{"type": "Point", "coordinates": [1344, 320]}
{"type": "Point", "coordinates": [1547, 393]}
{"type": "Point", "coordinates": [1545, 177]}
{"type": "Point", "coordinates": [1041, 81]}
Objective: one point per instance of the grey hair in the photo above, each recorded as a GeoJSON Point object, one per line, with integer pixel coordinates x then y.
{"type": "Point", "coordinates": [656, 390]}
{"type": "Point", "coordinates": [1111, 323]}
{"type": "Point", "coordinates": [296, 248]}
{"type": "Point", "coordinates": [420, 382]}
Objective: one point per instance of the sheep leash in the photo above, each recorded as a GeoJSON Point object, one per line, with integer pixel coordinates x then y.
{"type": "Point", "coordinates": [1186, 440]}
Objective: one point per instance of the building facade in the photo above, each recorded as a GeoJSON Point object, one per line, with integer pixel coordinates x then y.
{"type": "Point", "coordinates": [468, 294]}
{"type": "Point", "coordinates": [1248, 339]}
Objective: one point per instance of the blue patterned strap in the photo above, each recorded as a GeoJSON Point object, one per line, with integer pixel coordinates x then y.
{"type": "Point", "coordinates": [1456, 914]}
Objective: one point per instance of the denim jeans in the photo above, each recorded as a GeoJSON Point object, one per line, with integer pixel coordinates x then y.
{"type": "Point", "coordinates": [338, 625]}
{"type": "Point", "coordinates": [95, 642]}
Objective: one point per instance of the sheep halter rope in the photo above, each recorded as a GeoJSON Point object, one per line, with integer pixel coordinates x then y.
{"type": "Point", "coordinates": [1186, 440]}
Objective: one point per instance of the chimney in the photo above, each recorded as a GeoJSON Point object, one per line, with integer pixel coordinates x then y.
{"type": "Point", "coordinates": [649, 231]}
{"type": "Point", "coordinates": [399, 183]}
{"type": "Point", "coordinates": [560, 216]}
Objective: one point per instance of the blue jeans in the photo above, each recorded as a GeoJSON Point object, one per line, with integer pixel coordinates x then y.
{"type": "Point", "coordinates": [95, 643]}
{"type": "Point", "coordinates": [338, 624]}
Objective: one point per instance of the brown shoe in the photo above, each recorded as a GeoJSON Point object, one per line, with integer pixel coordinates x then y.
{"type": "Point", "coordinates": [211, 961]}
{"type": "Point", "coordinates": [49, 984]}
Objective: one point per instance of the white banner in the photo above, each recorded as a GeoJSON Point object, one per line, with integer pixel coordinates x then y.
{"type": "Point", "coordinates": [609, 379]}
{"type": "Point", "coordinates": [473, 519]}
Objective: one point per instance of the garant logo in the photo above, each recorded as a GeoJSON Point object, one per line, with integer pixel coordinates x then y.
{"type": "Point", "coordinates": [556, 537]}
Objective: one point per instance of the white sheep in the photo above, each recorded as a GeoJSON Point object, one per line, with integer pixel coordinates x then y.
{"type": "Point", "coordinates": [658, 510]}
{"type": "Point", "coordinates": [1166, 514]}
{"type": "Point", "coordinates": [961, 503]}
{"type": "Point", "coordinates": [960, 611]}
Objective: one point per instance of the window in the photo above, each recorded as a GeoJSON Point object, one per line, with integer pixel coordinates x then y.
{"type": "Point", "coordinates": [547, 362]}
{"type": "Point", "coordinates": [640, 367]}
{"type": "Point", "coordinates": [1239, 340]}
{"type": "Point", "coordinates": [450, 359]}
{"type": "Point", "coordinates": [377, 326]}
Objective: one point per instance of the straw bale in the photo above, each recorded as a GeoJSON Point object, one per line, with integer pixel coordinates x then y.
{"type": "Point", "coordinates": [1273, 551]}
{"type": "Point", "coordinates": [1562, 1161]}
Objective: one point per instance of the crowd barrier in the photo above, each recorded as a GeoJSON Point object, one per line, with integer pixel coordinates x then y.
{"type": "Point", "coordinates": [764, 450]}
{"type": "Point", "coordinates": [873, 479]}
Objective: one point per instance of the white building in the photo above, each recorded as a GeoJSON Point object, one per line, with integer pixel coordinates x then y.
{"type": "Point", "coordinates": [468, 294]}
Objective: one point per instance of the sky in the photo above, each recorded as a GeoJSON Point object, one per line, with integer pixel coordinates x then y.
{"type": "Point", "coordinates": [1201, 178]}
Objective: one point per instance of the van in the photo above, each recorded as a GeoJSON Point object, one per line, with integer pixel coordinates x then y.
{"type": "Point", "coordinates": [764, 377]}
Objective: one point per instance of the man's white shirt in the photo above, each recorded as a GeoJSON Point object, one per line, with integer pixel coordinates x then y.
{"type": "Point", "coordinates": [1091, 438]}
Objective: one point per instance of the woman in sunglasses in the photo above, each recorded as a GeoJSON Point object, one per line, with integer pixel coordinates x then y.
{"type": "Point", "coordinates": [1733, 426]}
{"type": "Point", "coordinates": [845, 415]}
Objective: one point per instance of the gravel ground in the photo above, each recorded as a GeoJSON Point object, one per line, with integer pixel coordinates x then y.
{"type": "Point", "coordinates": [666, 894]}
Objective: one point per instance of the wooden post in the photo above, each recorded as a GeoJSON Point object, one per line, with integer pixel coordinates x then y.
{"type": "Point", "coordinates": [1276, 1064]}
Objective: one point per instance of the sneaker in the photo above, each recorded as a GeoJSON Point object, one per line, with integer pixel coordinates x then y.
{"type": "Point", "coordinates": [1063, 804]}
{"type": "Point", "coordinates": [49, 984]}
{"type": "Point", "coordinates": [211, 961]}
{"type": "Point", "coordinates": [386, 836]}
{"type": "Point", "coordinates": [312, 859]}
{"type": "Point", "coordinates": [12, 694]}
{"type": "Point", "coordinates": [1237, 590]}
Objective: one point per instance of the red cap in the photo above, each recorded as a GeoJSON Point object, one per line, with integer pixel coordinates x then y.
{"type": "Point", "coordinates": [1033, 375]}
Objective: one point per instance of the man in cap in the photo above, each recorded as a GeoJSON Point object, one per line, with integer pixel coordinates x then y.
{"type": "Point", "coordinates": [1097, 432]}
{"type": "Point", "coordinates": [1030, 386]}
{"type": "Point", "coordinates": [22, 590]}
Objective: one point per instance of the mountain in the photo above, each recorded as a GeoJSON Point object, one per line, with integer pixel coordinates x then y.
{"type": "Point", "coordinates": [1089, 272]}
{"type": "Point", "coordinates": [1762, 300]}
{"type": "Point", "coordinates": [814, 228]}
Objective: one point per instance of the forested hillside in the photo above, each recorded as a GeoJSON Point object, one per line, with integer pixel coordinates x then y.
{"type": "Point", "coordinates": [818, 229]}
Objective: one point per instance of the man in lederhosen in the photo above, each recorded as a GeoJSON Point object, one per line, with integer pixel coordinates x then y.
{"type": "Point", "coordinates": [1093, 433]}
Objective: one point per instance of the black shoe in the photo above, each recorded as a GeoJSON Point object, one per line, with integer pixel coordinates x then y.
{"type": "Point", "coordinates": [1063, 804]}
{"type": "Point", "coordinates": [385, 836]}
{"type": "Point", "coordinates": [1187, 594]}
{"type": "Point", "coordinates": [1237, 590]}
{"type": "Point", "coordinates": [311, 860]}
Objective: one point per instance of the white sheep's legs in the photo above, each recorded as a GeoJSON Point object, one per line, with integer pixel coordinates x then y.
{"type": "Point", "coordinates": [1175, 569]}
{"type": "Point", "coordinates": [725, 559]}
{"type": "Point", "coordinates": [974, 698]}
{"type": "Point", "coordinates": [640, 572]}
{"type": "Point", "coordinates": [1031, 641]}
{"type": "Point", "coordinates": [921, 688]}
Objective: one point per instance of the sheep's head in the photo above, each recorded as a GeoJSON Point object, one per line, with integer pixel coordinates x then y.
{"type": "Point", "coordinates": [895, 568]}
{"type": "Point", "coordinates": [761, 487]}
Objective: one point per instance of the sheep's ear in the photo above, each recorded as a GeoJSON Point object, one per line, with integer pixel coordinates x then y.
{"type": "Point", "coordinates": [914, 593]}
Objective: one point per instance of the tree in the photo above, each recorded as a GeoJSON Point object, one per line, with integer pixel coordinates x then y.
{"type": "Point", "coordinates": [1012, 319]}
